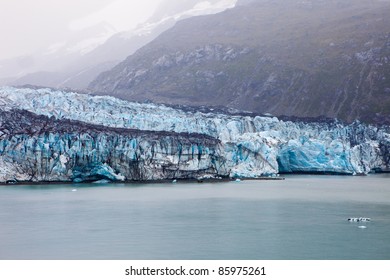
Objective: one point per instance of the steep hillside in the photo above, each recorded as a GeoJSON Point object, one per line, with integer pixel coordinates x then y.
{"type": "Point", "coordinates": [295, 58]}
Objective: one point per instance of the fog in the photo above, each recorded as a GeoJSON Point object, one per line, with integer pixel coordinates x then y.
{"type": "Point", "coordinates": [27, 26]}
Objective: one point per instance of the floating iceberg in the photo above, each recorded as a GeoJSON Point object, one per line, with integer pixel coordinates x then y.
{"type": "Point", "coordinates": [360, 219]}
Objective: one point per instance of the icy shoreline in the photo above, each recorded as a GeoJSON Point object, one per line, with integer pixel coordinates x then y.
{"type": "Point", "coordinates": [79, 137]}
{"type": "Point", "coordinates": [145, 182]}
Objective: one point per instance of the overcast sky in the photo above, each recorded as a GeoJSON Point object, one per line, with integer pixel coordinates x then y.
{"type": "Point", "coordinates": [29, 25]}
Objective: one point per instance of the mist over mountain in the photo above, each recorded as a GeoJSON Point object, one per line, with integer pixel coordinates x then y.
{"type": "Point", "coordinates": [296, 58]}
{"type": "Point", "coordinates": [57, 57]}
{"type": "Point", "coordinates": [77, 61]}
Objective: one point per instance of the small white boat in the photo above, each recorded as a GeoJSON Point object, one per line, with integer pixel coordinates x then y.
{"type": "Point", "coordinates": [357, 220]}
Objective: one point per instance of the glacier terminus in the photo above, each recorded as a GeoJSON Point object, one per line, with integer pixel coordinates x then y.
{"type": "Point", "coordinates": [50, 135]}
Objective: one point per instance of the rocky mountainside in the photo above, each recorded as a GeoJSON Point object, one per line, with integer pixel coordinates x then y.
{"type": "Point", "coordinates": [296, 58]}
{"type": "Point", "coordinates": [48, 135]}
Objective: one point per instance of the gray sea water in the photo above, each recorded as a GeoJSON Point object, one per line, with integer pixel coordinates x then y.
{"type": "Point", "coordinates": [303, 217]}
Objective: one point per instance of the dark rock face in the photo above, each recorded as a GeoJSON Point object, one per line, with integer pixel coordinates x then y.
{"type": "Point", "coordinates": [294, 58]}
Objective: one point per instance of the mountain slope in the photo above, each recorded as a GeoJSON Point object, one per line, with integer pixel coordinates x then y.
{"type": "Point", "coordinates": [296, 58]}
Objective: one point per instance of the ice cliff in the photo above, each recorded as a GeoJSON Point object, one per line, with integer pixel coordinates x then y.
{"type": "Point", "coordinates": [38, 148]}
{"type": "Point", "coordinates": [49, 135]}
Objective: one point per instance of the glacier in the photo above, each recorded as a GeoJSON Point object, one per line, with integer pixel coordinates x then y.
{"type": "Point", "coordinates": [54, 135]}
{"type": "Point", "coordinates": [37, 148]}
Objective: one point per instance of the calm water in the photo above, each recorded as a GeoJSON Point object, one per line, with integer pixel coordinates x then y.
{"type": "Point", "coordinates": [303, 217]}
